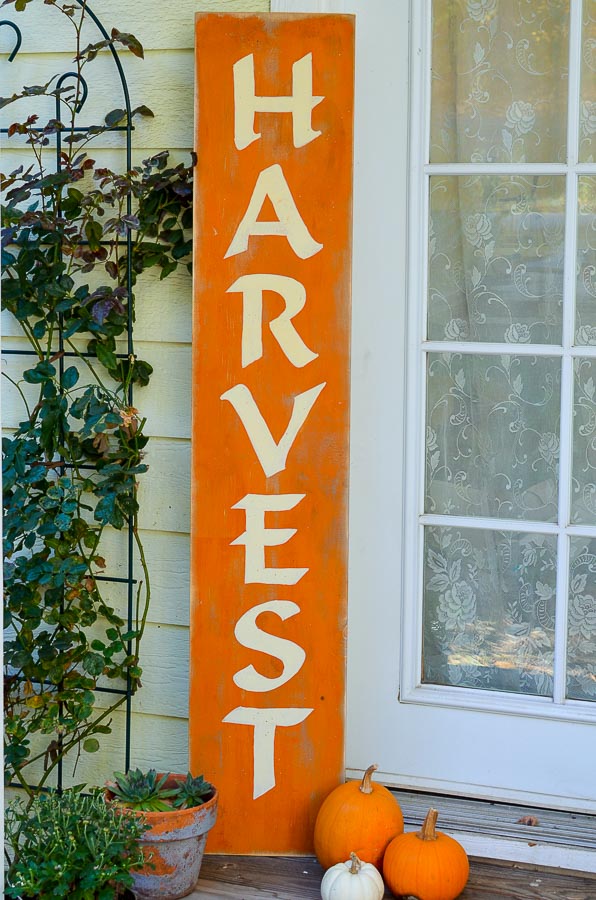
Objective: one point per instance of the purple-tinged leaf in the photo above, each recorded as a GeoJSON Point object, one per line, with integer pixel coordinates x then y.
{"type": "Point", "coordinates": [101, 310]}
{"type": "Point", "coordinates": [129, 41]}
{"type": "Point", "coordinates": [182, 189]}
{"type": "Point", "coordinates": [131, 221]}
{"type": "Point", "coordinates": [142, 111]}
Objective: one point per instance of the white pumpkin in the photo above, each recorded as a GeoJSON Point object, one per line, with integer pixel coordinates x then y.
{"type": "Point", "coordinates": [352, 880]}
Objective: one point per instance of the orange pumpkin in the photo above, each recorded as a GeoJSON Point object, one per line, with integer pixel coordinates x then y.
{"type": "Point", "coordinates": [426, 864]}
{"type": "Point", "coordinates": [357, 818]}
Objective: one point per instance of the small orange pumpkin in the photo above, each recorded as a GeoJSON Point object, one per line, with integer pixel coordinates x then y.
{"type": "Point", "coordinates": [426, 864]}
{"type": "Point", "coordinates": [357, 818]}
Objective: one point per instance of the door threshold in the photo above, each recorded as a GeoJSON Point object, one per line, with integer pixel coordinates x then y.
{"type": "Point", "coordinates": [491, 830]}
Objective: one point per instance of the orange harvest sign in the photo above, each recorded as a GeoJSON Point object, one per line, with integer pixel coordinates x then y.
{"type": "Point", "coordinates": [270, 420]}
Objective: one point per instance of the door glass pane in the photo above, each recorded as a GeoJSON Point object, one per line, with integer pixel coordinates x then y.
{"type": "Point", "coordinates": [587, 122]}
{"type": "Point", "coordinates": [499, 80]}
{"type": "Point", "coordinates": [496, 247]}
{"type": "Point", "coordinates": [583, 497]}
{"type": "Point", "coordinates": [581, 660]}
{"type": "Point", "coordinates": [492, 436]}
{"type": "Point", "coordinates": [489, 611]}
{"type": "Point", "coordinates": [586, 262]}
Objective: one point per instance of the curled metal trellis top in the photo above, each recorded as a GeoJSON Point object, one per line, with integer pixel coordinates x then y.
{"type": "Point", "coordinates": [19, 37]}
{"type": "Point", "coordinates": [83, 85]}
{"type": "Point", "coordinates": [97, 22]}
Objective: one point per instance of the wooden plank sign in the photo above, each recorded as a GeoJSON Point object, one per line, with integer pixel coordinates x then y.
{"type": "Point", "coordinates": [270, 420]}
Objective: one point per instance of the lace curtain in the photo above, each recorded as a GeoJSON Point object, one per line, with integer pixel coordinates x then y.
{"type": "Point", "coordinates": [500, 80]}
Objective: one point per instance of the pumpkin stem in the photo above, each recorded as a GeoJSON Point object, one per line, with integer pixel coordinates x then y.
{"type": "Point", "coordinates": [427, 832]}
{"type": "Point", "coordinates": [356, 864]}
{"type": "Point", "coordinates": [366, 784]}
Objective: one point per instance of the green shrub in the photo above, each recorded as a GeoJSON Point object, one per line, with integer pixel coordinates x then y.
{"type": "Point", "coordinates": [72, 846]}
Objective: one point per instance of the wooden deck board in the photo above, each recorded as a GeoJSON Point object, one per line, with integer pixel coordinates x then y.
{"type": "Point", "coordinates": [299, 878]}
{"type": "Point", "coordinates": [500, 819]}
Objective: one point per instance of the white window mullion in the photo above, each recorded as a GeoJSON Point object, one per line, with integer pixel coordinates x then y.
{"type": "Point", "coordinates": [566, 425]}
{"type": "Point", "coordinates": [491, 524]}
{"type": "Point", "coordinates": [574, 100]}
{"type": "Point", "coordinates": [414, 418]}
{"type": "Point", "coordinates": [478, 347]}
{"type": "Point", "coordinates": [586, 531]}
{"type": "Point", "coordinates": [497, 168]}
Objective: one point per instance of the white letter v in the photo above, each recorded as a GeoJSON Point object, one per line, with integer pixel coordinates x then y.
{"type": "Point", "coordinates": [272, 456]}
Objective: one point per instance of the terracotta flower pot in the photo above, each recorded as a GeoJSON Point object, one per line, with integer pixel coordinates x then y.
{"type": "Point", "coordinates": [173, 847]}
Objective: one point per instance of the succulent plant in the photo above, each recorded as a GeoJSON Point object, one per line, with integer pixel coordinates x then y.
{"type": "Point", "coordinates": [150, 792]}
{"type": "Point", "coordinates": [192, 792]}
{"type": "Point", "coordinates": [142, 790]}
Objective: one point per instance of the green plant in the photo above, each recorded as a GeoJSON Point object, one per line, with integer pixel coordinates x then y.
{"type": "Point", "coordinates": [153, 792]}
{"type": "Point", "coordinates": [141, 790]}
{"type": "Point", "coordinates": [72, 463]}
{"type": "Point", "coordinates": [192, 792]}
{"type": "Point", "coordinates": [73, 846]}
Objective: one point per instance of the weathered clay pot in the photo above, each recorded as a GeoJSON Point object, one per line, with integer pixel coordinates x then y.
{"type": "Point", "coordinates": [173, 847]}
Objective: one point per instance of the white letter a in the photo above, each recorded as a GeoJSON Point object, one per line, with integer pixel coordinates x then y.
{"type": "Point", "coordinates": [272, 183]}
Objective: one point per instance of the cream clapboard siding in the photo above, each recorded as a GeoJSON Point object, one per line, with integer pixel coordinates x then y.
{"type": "Point", "coordinates": [164, 82]}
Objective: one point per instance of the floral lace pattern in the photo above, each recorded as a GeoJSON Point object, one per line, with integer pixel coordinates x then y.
{"type": "Point", "coordinates": [587, 116]}
{"type": "Point", "coordinates": [496, 248]}
{"type": "Point", "coordinates": [583, 498]}
{"type": "Point", "coordinates": [492, 437]}
{"type": "Point", "coordinates": [499, 88]}
{"type": "Point", "coordinates": [489, 613]}
{"type": "Point", "coordinates": [585, 325]}
{"type": "Point", "coordinates": [581, 647]}
{"type": "Point", "coordinates": [496, 242]}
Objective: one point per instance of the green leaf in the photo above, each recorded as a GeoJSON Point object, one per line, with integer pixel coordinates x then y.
{"type": "Point", "coordinates": [130, 635]}
{"type": "Point", "coordinates": [106, 357]}
{"type": "Point", "coordinates": [167, 269]}
{"type": "Point", "coordinates": [114, 117]}
{"type": "Point", "coordinates": [93, 233]}
{"type": "Point", "coordinates": [42, 372]}
{"type": "Point", "coordinates": [93, 663]}
{"type": "Point", "coordinates": [70, 378]}
{"type": "Point", "coordinates": [35, 702]}
{"type": "Point", "coordinates": [39, 329]}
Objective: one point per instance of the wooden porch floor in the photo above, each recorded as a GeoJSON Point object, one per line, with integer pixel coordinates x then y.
{"type": "Point", "coordinates": [292, 878]}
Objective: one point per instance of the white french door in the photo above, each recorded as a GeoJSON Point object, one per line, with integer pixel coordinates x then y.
{"type": "Point", "coordinates": [472, 610]}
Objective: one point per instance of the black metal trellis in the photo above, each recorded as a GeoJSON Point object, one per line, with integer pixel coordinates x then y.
{"type": "Point", "coordinates": [82, 87]}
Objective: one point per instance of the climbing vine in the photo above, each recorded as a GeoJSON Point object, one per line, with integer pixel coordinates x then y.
{"type": "Point", "coordinates": [71, 244]}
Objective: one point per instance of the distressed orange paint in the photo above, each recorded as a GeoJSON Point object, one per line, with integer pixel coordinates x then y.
{"type": "Point", "coordinates": [172, 846]}
{"type": "Point", "coordinates": [270, 421]}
